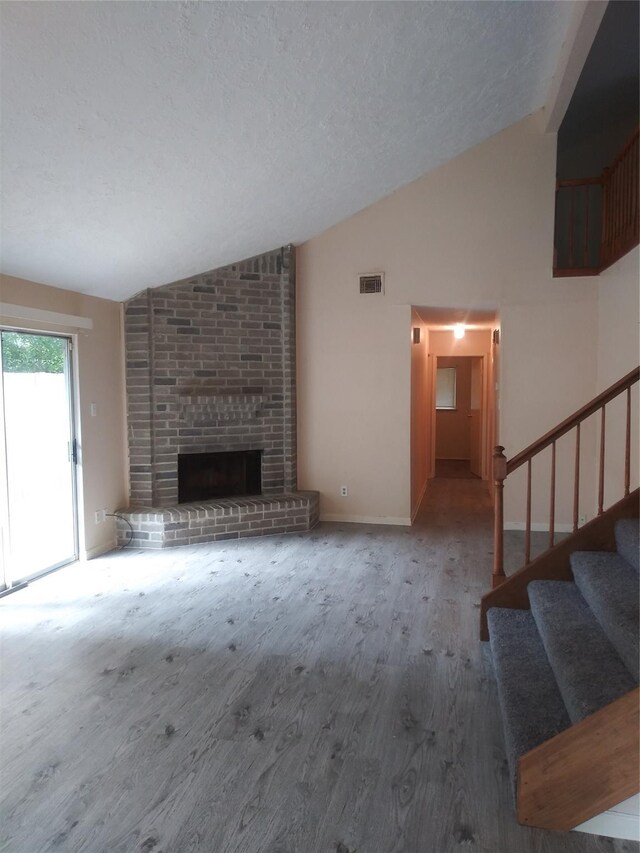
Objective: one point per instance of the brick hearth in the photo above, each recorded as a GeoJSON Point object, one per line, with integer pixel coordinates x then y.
{"type": "Point", "coordinates": [188, 524]}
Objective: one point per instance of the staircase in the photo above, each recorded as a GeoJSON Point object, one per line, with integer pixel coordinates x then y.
{"type": "Point", "coordinates": [564, 638]}
{"type": "Point", "coordinates": [572, 654]}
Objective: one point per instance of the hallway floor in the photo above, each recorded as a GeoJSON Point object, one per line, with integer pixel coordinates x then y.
{"type": "Point", "coordinates": [456, 469]}
{"type": "Point", "coordinates": [316, 693]}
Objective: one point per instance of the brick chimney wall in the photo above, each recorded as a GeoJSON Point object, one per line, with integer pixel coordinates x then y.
{"type": "Point", "coordinates": [210, 365]}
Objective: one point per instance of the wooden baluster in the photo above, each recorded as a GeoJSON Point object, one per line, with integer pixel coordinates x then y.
{"type": "Point", "coordinates": [601, 478]}
{"type": "Point", "coordinates": [627, 196]}
{"type": "Point", "coordinates": [620, 206]}
{"type": "Point", "coordinates": [571, 217]}
{"type": "Point", "coordinates": [499, 475]}
{"type": "Point", "coordinates": [627, 447]}
{"type": "Point", "coordinates": [633, 181]}
{"type": "Point", "coordinates": [634, 184]}
{"type": "Point", "coordinates": [552, 501]}
{"type": "Point", "coordinates": [585, 259]}
{"type": "Point", "coordinates": [605, 217]}
{"type": "Point", "coordinates": [556, 228]}
{"type": "Point", "coordinates": [527, 530]}
{"type": "Point", "coordinates": [623, 205]}
{"type": "Point", "coordinates": [612, 212]}
{"type": "Point", "coordinates": [630, 177]}
{"type": "Point", "coordinates": [618, 210]}
{"type": "Point", "coordinates": [576, 481]}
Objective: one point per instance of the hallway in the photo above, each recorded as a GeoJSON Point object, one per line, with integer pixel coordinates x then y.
{"type": "Point", "coordinates": [296, 694]}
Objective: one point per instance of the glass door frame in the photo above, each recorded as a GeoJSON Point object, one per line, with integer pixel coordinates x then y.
{"type": "Point", "coordinates": [7, 582]}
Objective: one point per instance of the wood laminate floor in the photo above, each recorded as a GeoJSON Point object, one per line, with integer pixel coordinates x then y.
{"type": "Point", "coordinates": [317, 693]}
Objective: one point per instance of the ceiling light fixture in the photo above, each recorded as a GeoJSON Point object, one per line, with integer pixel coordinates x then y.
{"type": "Point", "coordinates": [458, 331]}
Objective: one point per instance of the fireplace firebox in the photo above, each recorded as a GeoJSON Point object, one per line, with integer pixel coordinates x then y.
{"type": "Point", "coordinates": [208, 476]}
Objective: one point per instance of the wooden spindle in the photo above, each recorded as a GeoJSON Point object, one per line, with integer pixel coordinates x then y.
{"type": "Point", "coordinates": [627, 447]}
{"type": "Point", "coordinates": [620, 170]}
{"type": "Point", "coordinates": [585, 259]}
{"type": "Point", "coordinates": [571, 224]}
{"type": "Point", "coordinates": [627, 195]}
{"type": "Point", "coordinates": [614, 209]}
{"type": "Point", "coordinates": [633, 178]}
{"type": "Point", "coordinates": [576, 481]}
{"type": "Point", "coordinates": [527, 530]}
{"type": "Point", "coordinates": [552, 501]}
{"type": "Point", "coordinates": [634, 188]}
{"type": "Point", "coordinates": [601, 477]}
{"type": "Point", "coordinates": [499, 475]}
{"type": "Point", "coordinates": [605, 217]}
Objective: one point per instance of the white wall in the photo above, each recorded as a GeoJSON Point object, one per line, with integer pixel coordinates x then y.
{"type": "Point", "coordinates": [475, 233]}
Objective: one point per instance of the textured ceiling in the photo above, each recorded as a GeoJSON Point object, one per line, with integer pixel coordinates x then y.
{"type": "Point", "coordinates": [143, 142]}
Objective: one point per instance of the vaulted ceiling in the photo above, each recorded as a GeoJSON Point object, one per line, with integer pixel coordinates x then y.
{"type": "Point", "coordinates": [143, 142]}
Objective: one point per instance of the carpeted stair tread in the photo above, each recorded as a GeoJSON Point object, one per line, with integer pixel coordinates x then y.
{"type": "Point", "coordinates": [611, 588]}
{"type": "Point", "coordinates": [588, 670]}
{"type": "Point", "coordinates": [531, 704]}
{"type": "Point", "coordinates": [628, 541]}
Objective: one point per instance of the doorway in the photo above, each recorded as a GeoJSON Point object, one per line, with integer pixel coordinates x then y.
{"type": "Point", "coordinates": [459, 417]}
{"type": "Point", "coordinates": [38, 456]}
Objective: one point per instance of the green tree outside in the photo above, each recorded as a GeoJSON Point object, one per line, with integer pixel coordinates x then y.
{"type": "Point", "coordinates": [22, 353]}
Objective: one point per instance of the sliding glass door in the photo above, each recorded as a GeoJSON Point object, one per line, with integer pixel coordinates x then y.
{"type": "Point", "coordinates": [38, 501]}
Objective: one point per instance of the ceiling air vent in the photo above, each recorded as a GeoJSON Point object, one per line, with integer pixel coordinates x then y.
{"type": "Point", "coordinates": [372, 283]}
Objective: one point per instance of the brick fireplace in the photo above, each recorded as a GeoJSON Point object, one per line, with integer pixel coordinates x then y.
{"type": "Point", "coordinates": [211, 370]}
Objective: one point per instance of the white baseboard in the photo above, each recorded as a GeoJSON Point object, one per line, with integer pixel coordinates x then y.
{"type": "Point", "coordinates": [622, 821]}
{"type": "Point", "coordinates": [538, 526]}
{"type": "Point", "coordinates": [366, 519]}
{"type": "Point", "coordinates": [99, 550]}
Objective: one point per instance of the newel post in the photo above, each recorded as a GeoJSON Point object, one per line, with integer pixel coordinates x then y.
{"type": "Point", "coordinates": [499, 474]}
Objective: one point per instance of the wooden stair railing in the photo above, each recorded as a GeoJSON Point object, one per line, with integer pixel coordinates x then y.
{"type": "Point", "coordinates": [597, 219]}
{"type": "Point", "coordinates": [503, 467]}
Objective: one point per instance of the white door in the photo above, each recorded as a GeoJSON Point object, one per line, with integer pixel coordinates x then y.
{"type": "Point", "coordinates": [39, 518]}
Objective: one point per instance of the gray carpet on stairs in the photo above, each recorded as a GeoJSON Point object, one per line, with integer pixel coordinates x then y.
{"type": "Point", "coordinates": [611, 588]}
{"type": "Point", "coordinates": [531, 704]}
{"type": "Point", "coordinates": [575, 651]}
{"type": "Point", "coordinates": [628, 541]}
{"type": "Point", "coordinates": [588, 670]}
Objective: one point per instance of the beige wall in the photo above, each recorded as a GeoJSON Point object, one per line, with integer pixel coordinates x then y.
{"type": "Point", "coordinates": [420, 412]}
{"type": "Point", "coordinates": [452, 427]}
{"type": "Point", "coordinates": [100, 380]}
{"type": "Point", "coordinates": [475, 233]}
{"type": "Point", "coordinates": [618, 353]}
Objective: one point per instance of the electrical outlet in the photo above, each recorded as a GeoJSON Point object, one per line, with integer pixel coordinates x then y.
{"type": "Point", "coordinates": [344, 491]}
{"type": "Point", "coordinates": [98, 516]}
{"type": "Point", "coordinates": [105, 512]}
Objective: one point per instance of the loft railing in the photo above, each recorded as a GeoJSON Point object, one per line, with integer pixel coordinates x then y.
{"type": "Point", "coordinates": [502, 467]}
{"type": "Point", "coordinates": [620, 204]}
{"type": "Point", "coordinates": [597, 219]}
